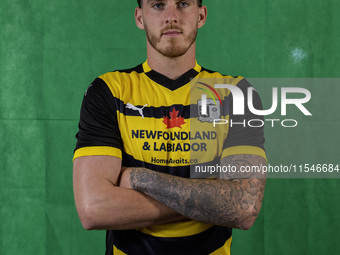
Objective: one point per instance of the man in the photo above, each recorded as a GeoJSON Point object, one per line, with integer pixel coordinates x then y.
{"type": "Point", "coordinates": [125, 183]}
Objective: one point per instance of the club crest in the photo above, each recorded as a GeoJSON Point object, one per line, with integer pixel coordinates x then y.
{"type": "Point", "coordinates": [213, 110]}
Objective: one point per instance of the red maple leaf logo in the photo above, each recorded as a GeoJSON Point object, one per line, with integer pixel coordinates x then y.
{"type": "Point", "coordinates": [174, 120]}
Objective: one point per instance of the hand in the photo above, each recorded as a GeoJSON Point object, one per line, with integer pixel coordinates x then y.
{"type": "Point", "coordinates": [124, 181]}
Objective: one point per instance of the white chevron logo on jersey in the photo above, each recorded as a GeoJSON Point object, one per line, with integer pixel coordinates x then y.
{"type": "Point", "coordinates": [132, 107]}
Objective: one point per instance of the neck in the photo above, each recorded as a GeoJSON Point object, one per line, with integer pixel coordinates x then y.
{"type": "Point", "coordinates": [171, 67]}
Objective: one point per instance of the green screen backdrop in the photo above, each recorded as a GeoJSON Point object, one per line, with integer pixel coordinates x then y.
{"type": "Point", "coordinates": [50, 51]}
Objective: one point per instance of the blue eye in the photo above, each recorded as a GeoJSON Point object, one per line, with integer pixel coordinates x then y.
{"type": "Point", "coordinates": [183, 4]}
{"type": "Point", "coordinates": [158, 6]}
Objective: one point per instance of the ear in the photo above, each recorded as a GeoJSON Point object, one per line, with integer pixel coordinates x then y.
{"type": "Point", "coordinates": [202, 16]}
{"type": "Point", "coordinates": [139, 18]}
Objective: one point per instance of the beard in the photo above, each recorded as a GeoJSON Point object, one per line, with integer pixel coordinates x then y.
{"type": "Point", "coordinates": [172, 49]}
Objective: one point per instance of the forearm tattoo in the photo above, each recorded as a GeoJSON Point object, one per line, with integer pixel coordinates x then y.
{"type": "Point", "coordinates": [231, 200]}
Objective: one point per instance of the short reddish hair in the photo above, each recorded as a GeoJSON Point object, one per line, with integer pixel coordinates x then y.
{"type": "Point", "coordinates": [140, 3]}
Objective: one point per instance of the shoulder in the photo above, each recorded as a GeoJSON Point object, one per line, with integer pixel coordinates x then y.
{"type": "Point", "coordinates": [237, 80]}
{"type": "Point", "coordinates": [119, 75]}
{"type": "Point", "coordinates": [113, 81]}
{"type": "Point", "coordinates": [222, 78]}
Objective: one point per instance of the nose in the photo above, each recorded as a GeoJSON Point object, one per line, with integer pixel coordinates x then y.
{"type": "Point", "coordinates": [171, 15]}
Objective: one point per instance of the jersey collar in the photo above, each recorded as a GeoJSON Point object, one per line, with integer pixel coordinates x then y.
{"type": "Point", "coordinates": [169, 83]}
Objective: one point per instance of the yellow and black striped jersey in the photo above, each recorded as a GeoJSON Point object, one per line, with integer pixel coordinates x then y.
{"type": "Point", "coordinates": [143, 118]}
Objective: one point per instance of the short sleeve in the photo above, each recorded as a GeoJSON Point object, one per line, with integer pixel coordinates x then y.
{"type": "Point", "coordinates": [98, 127]}
{"type": "Point", "coordinates": [246, 135]}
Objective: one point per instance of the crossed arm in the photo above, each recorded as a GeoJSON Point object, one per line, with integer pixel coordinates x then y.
{"type": "Point", "coordinates": [145, 198]}
{"type": "Point", "coordinates": [102, 204]}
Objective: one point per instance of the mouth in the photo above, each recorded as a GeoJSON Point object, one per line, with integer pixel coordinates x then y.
{"type": "Point", "coordinates": [172, 33]}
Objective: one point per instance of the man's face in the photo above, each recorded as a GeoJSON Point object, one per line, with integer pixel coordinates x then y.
{"type": "Point", "coordinates": [171, 25]}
